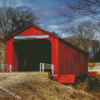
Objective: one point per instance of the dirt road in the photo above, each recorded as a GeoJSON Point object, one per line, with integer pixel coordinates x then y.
{"type": "Point", "coordinates": [9, 79]}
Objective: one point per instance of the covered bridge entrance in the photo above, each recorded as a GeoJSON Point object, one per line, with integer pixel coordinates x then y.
{"type": "Point", "coordinates": [31, 52]}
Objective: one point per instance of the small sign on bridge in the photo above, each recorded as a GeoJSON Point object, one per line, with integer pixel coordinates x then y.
{"type": "Point", "coordinates": [31, 36]}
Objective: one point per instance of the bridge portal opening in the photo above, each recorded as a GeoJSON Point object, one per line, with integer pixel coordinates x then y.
{"type": "Point", "coordinates": [31, 52]}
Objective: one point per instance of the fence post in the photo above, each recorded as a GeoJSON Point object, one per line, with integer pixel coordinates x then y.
{"type": "Point", "coordinates": [40, 66]}
{"type": "Point", "coordinates": [6, 68]}
{"type": "Point", "coordinates": [52, 69]}
{"type": "Point", "coordinates": [10, 67]}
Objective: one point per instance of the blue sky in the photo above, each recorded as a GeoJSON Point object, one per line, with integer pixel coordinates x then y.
{"type": "Point", "coordinates": [48, 13]}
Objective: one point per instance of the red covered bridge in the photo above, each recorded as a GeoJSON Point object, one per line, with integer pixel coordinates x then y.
{"type": "Point", "coordinates": [31, 45]}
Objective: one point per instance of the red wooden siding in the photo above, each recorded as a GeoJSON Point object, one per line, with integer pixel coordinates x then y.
{"type": "Point", "coordinates": [71, 61]}
{"type": "Point", "coordinates": [60, 60]}
{"type": "Point", "coordinates": [31, 31]}
{"type": "Point", "coordinates": [64, 59]}
{"type": "Point", "coordinates": [15, 61]}
{"type": "Point", "coordinates": [85, 64]}
{"type": "Point", "coordinates": [10, 53]}
{"type": "Point", "coordinates": [54, 55]}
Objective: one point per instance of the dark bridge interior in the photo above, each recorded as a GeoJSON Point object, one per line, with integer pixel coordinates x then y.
{"type": "Point", "coordinates": [31, 52]}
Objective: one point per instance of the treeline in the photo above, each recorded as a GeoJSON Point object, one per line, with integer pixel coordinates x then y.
{"type": "Point", "coordinates": [93, 47]}
{"type": "Point", "coordinates": [96, 57]}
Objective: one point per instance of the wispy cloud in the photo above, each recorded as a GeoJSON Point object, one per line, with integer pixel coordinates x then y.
{"type": "Point", "coordinates": [65, 35]}
{"type": "Point", "coordinates": [87, 18]}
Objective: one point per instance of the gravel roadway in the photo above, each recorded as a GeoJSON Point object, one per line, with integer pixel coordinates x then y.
{"type": "Point", "coordinates": [9, 79]}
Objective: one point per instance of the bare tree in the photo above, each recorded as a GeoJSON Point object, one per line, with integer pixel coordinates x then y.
{"type": "Point", "coordinates": [13, 19]}
{"type": "Point", "coordinates": [54, 33]}
{"type": "Point", "coordinates": [85, 8]}
{"type": "Point", "coordinates": [82, 35]}
{"type": "Point", "coordinates": [97, 56]}
{"type": "Point", "coordinates": [95, 46]}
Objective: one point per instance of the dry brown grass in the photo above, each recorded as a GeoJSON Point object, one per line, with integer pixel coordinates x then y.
{"type": "Point", "coordinates": [91, 65]}
{"type": "Point", "coordinates": [40, 87]}
{"type": "Point", "coordinates": [90, 85]}
{"type": "Point", "coordinates": [6, 96]}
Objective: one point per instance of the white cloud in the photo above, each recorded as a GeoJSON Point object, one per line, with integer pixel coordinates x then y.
{"type": "Point", "coordinates": [65, 35]}
{"type": "Point", "coordinates": [97, 37]}
{"type": "Point", "coordinates": [53, 27]}
{"type": "Point", "coordinates": [82, 19]}
{"type": "Point", "coordinates": [58, 27]}
{"type": "Point", "coordinates": [41, 25]}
